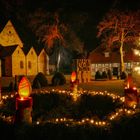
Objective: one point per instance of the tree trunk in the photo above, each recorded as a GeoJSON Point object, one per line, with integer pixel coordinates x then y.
{"type": "Point", "coordinates": [58, 58]}
{"type": "Point", "coordinates": [121, 53]}
{"type": "Point", "coordinates": [58, 62]}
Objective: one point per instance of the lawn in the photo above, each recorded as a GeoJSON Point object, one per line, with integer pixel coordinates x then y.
{"type": "Point", "coordinates": [115, 86]}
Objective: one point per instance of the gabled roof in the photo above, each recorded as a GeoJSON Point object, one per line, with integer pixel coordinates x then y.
{"type": "Point", "coordinates": [25, 34]}
{"type": "Point", "coordinates": [98, 56]}
{"type": "Point", "coordinates": [7, 51]}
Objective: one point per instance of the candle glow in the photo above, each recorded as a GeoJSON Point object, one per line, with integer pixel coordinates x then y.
{"type": "Point", "coordinates": [24, 88]}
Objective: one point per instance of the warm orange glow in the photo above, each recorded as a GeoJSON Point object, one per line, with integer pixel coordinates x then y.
{"type": "Point", "coordinates": [125, 87]}
{"type": "Point", "coordinates": [128, 84]}
{"type": "Point", "coordinates": [22, 98]}
{"type": "Point", "coordinates": [73, 76]}
{"type": "Point", "coordinates": [134, 88]}
{"type": "Point", "coordinates": [24, 88]}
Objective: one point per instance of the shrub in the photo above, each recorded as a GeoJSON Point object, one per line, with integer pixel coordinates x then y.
{"type": "Point", "coordinates": [58, 79]}
{"type": "Point", "coordinates": [123, 75]}
{"type": "Point", "coordinates": [11, 87]}
{"type": "Point", "coordinates": [40, 81]}
{"type": "Point", "coordinates": [104, 75]}
{"type": "Point", "coordinates": [98, 75]}
{"type": "Point", "coordinates": [109, 73]}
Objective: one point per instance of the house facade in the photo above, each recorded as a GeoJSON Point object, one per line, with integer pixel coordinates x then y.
{"type": "Point", "coordinates": [12, 61]}
{"type": "Point", "coordinates": [18, 57]}
{"type": "Point", "coordinates": [102, 60]}
{"type": "Point", "coordinates": [43, 62]}
{"type": "Point", "coordinates": [31, 62]}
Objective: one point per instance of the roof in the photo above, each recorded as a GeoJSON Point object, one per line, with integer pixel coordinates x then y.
{"type": "Point", "coordinates": [98, 56]}
{"type": "Point", "coordinates": [25, 34]}
{"type": "Point", "coordinates": [7, 51]}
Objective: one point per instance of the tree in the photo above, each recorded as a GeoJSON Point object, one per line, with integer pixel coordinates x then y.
{"type": "Point", "coordinates": [53, 33]}
{"type": "Point", "coordinates": [119, 26]}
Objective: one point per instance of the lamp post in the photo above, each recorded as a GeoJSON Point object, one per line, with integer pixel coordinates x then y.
{"type": "Point", "coordinates": [23, 103]}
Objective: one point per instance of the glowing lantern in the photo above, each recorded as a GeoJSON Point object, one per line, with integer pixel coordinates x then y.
{"type": "Point", "coordinates": [73, 76]}
{"type": "Point", "coordinates": [24, 88]}
{"type": "Point", "coordinates": [24, 102]}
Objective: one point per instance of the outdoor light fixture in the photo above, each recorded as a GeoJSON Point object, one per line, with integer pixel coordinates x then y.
{"type": "Point", "coordinates": [74, 86]}
{"type": "Point", "coordinates": [131, 96]}
{"type": "Point", "coordinates": [73, 76]}
{"type": "Point", "coordinates": [23, 102]}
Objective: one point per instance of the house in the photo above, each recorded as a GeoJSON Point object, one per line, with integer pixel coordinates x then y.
{"type": "Point", "coordinates": [12, 61]}
{"type": "Point", "coordinates": [30, 61]}
{"type": "Point", "coordinates": [103, 60]}
{"type": "Point", "coordinates": [9, 36]}
{"type": "Point", "coordinates": [42, 61]}
{"type": "Point", "coordinates": [18, 55]}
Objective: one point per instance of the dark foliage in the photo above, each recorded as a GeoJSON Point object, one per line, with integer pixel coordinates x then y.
{"type": "Point", "coordinates": [104, 75]}
{"type": "Point", "coordinates": [98, 75]}
{"type": "Point", "coordinates": [11, 87]}
{"type": "Point", "coordinates": [58, 79]}
{"type": "Point", "coordinates": [99, 106]}
{"type": "Point", "coordinates": [123, 75]}
{"type": "Point", "coordinates": [109, 73]}
{"type": "Point", "coordinates": [61, 105]}
{"type": "Point", "coordinates": [8, 107]}
{"type": "Point", "coordinates": [40, 81]}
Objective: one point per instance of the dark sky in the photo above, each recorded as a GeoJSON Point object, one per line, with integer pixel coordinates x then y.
{"type": "Point", "coordinates": [75, 5]}
{"type": "Point", "coordinates": [96, 9]}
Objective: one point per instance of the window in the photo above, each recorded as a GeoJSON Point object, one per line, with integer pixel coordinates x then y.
{"type": "Point", "coordinates": [29, 64]}
{"type": "Point", "coordinates": [21, 65]}
{"type": "Point", "coordinates": [106, 54]}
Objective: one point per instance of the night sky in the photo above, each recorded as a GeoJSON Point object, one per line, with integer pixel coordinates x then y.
{"type": "Point", "coordinates": [95, 8]}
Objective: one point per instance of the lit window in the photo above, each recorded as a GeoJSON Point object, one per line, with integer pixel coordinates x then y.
{"type": "Point", "coordinates": [21, 65]}
{"type": "Point", "coordinates": [106, 54]}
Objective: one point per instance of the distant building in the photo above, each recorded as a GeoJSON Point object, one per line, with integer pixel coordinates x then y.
{"type": "Point", "coordinates": [21, 54]}
{"type": "Point", "coordinates": [103, 60]}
